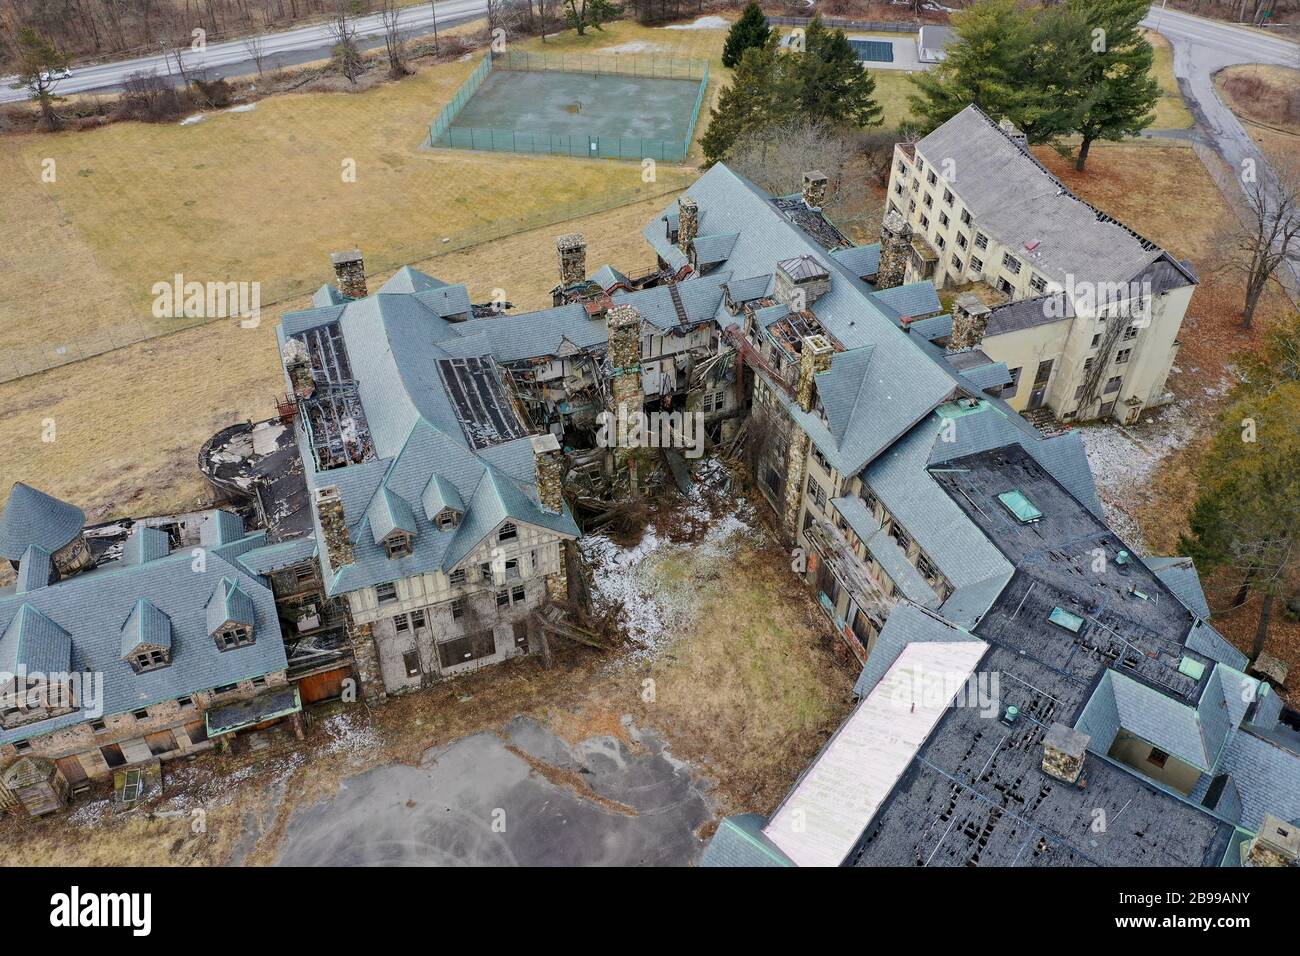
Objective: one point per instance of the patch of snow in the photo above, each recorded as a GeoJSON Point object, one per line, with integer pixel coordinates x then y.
{"type": "Point", "coordinates": [351, 736]}
{"type": "Point", "coordinates": [244, 108]}
{"type": "Point", "coordinates": [633, 46]}
{"type": "Point", "coordinates": [195, 118]}
{"type": "Point", "coordinates": [703, 23]}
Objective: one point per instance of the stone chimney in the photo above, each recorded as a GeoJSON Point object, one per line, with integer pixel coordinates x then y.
{"type": "Point", "coordinates": [297, 365]}
{"type": "Point", "coordinates": [970, 319]}
{"type": "Point", "coordinates": [573, 259]}
{"type": "Point", "coordinates": [350, 270]}
{"type": "Point", "coordinates": [624, 324]}
{"type": "Point", "coordinates": [1276, 844]}
{"type": "Point", "coordinates": [814, 189]}
{"type": "Point", "coordinates": [334, 528]}
{"type": "Point", "coordinates": [1017, 137]}
{"type": "Point", "coordinates": [549, 461]}
{"type": "Point", "coordinates": [895, 250]}
{"type": "Point", "coordinates": [1063, 752]}
{"type": "Point", "coordinates": [800, 282]}
{"type": "Point", "coordinates": [814, 358]}
{"type": "Point", "coordinates": [688, 221]}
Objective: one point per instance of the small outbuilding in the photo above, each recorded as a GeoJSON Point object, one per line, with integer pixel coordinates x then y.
{"type": "Point", "coordinates": [37, 783]}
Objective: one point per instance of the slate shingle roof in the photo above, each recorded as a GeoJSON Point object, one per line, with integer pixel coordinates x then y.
{"type": "Point", "coordinates": [32, 517]}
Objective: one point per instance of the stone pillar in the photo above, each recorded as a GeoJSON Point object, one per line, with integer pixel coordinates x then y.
{"type": "Point", "coordinates": [1063, 751]}
{"type": "Point", "coordinates": [573, 258]}
{"type": "Point", "coordinates": [334, 528]}
{"type": "Point", "coordinates": [970, 319]}
{"type": "Point", "coordinates": [814, 358]}
{"type": "Point", "coordinates": [795, 464]}
{"type": "Point", "coordinates": [297, 365]}
{"type": "Point", "coordinates": [550, 465]}
{"type": "Point", "coordinates": [627, 397]}
{"type": "Point", "coordinates": [895, 249]}
{"type": "Point", "coordinates": [350, 270]}
{"type": "Point", "coordinates": [557, 584]}
{"type": "Point", "coordinates": [1276, 844]}
{"type": "Point", "coordinates": [814, 188]}
{"type": "Point", "coordinates": [366, 658]}
{"type": "Point", "coordinates": [688, 221]}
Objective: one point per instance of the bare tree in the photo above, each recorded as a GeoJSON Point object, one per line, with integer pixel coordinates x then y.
{"type": "Point", "coordinates": [1269, 240]}
{"type": "Point", "coordinates": [255, 46]}
{"type": "Point", "coordinates": [346, 53]}
{"type": "Point", "coordinates": [393, 42]}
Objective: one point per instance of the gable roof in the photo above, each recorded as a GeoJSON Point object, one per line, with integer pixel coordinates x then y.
{"type": "Point", "coordinates": [34, 570]}
{"type": "Point", "coordinates": [146, 625]}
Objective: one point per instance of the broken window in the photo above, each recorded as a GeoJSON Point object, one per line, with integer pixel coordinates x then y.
{"type": "Point", "coordinates": [981, 241]}
{"type": "Point", "coordinates": [1130, 333]}
{"type": "Point", "coordinates": [976, 264]}
{"type": "Point", "coordinates": [944, 220]}
{"type": "Point", "coordinates": [503, 598]}
{"type": "Point", "coordinates": [1011, 263]}
{"type": "Point", "coordinates": [508, 532]}
{"type": "Point", "coordinates": [469, 648]}
{"type": "Point", "coordinates": [1009, 390]}
{"type": "Point", "coordinates": [386, 592]}
{"type": "Point", "coordinates": [1113, 384]}
{"type": "Point", "coordinates": [457, 577]}
{"type": "Point", "coordinates": [457, 609]}
{"type": "Point", "coordinates": [401, 623]}
{"type": "Point", "coordinates": [1038, 284]}
{"type": "Point", "coordinates": [517, 593]}
{"type": "Point", "coordinates": [947, 196]}
{"type": "Point", "coordinates": [961, 240]}
{"type": "Point", "coordinates": [417, 619]}
{"type": "Point", "coordinates": [239, 635]}
{"type": "Point", "coordinates": [956, 262]}
{"type": "Point", "coordinates": [411, 661]}
{"type": "Point", "coordinates": [1123, 355]}
{"type": "Point", "coordinates": [398, 545]}
{"type": "Point", "coordinates": [965, 217]}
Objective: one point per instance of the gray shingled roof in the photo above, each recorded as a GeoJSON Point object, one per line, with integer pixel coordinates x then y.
{"type": "Point", "coordinates": [92, 607]}
{"type": "Point", "coordinates": [1179, 575]}
{"type": "Point", "coordinates": [32, 517]}
{"type": "Point", "coordinates": [862, 261]}
{"type": "Point", "coordinates": [34, 570]}
{"type": "Point", "coordinates": [1015, 199]}
{"type": "Point", "coordinates": [740, 841]}
{"type": "Point", "coordinates": [915, 300]}
{"type": "Point", "coordinates": [145, 544]}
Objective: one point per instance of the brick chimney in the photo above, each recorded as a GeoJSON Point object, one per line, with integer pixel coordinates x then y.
{"type": "Point", "coordinates": [1276, 844]}
{"type": "Point", "coordinates": [1063, 752]}
{"type": "Point", "coordinates": [573, 258]}
{"type": "Point", "coordinates": [814, 358]}
{"type": "Point", "coordinates": [970, 319]}
{"type": "Point", "coordinates": [688, 221]}
{"type": "Point", "coordinates": [895, 249]}
{"type": "Point", "coordinates": [814, 189]}
{"type": "Point", "coordinates": [297, 365]}
{"type": "Point", "coordinates": [350, 270]}
{"type": "Point", "coordinates": [334, 528]}
{"type": "Point", "coordinates": [1017, 137]}
{"type": "Point", "coordinates": [549, 462]}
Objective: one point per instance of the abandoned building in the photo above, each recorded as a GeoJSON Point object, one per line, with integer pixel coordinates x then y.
{"type": "Point", "coordinates": [1083, 311]}
{"type": "Point", "coordinates": [164, 651]}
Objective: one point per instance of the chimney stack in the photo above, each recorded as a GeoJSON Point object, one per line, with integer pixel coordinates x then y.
{"type": "Point", "coordinates": [688, 221]}
{"type": "Point", "coordinates": [814, 189]}
{"type": "Point", "coordinates": [1276, 844]}
{"type": "Point", "coordinates": [297, 365]}
{"type": "Point", "coordinates": [573, 259]}
{"type": "Point", "coordinates": [814, 358]}
{"type": "Point", "coordinates": [970, 319]}
{"type": "Point", "coordinates": [350, 270]}
{"type": "Point", "coordinates": [895, 249]}
{"type": "Point", "coordinates": [549, 461]}
{"type": "Point", "coordinates": [1017, 137]}
{"type": "Point", "coordinates": [1063, 752]}
{"type": "Point", "coordinates": [334, 528]}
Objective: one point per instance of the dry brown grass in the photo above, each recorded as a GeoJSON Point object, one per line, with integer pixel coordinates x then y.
{"type": "Point", "coordinates": [129, 424]}
{"type": "Point", "coordinates": [1171, 111]}
{"type": "Point", "coordinates": [1267, 101]}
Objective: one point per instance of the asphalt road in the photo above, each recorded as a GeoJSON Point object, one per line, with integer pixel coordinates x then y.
{"type": "Point", "coordinates": [232, 58]}
{"type": "Point", "coordinates": [1202, 48]}
{"type": "Point", "coordinates": [524, 798]}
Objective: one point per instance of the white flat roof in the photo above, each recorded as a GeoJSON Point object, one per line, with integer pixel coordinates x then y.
{"type": "Point", "coordinates": [830, 806]}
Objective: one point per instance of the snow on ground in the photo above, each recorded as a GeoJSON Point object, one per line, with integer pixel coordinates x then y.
{"type": "Point", "coordinates": [1125, 458]}
{"type": "Point", "coordinates": [348, 734]}
{"type": "Point", "coordinates": [659, 582]}
{"type": "Point", "coordinates": [633, 46]}
{"type": "Point", "coordinates": [703, 23]}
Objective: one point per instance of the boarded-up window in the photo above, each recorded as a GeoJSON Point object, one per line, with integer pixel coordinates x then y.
{"type": "Point", "coordinates": [468, 648]}
{"type": "Point", "coordinates": [411, 661]}
{"type": "Point", "coordinates": [521, 634]}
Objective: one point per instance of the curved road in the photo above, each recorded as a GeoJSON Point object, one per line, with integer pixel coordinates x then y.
{"type": "Point", "coordinates": [1202, 48]}
{"type": "Point", "coordinates": [231, 57]}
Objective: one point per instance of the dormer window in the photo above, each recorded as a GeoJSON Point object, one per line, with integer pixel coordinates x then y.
{"type": "Point", "coordinates": [150, 660]}
{"type": "Point", "coordinates": [448, 519]}
{"type": "Point", "coordinates": [508, 532]}
{"type": "Point", "coordinates": [236, 635]}
{"type": "Point", "coordinates": [398, 545]}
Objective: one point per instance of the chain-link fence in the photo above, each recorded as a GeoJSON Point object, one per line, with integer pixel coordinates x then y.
{"type": "Point", "coordinates": [19, 361]}
{"type": "Point", "coordinates": [447, 132]}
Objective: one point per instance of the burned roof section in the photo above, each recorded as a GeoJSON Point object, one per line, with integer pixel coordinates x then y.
{"type": "Point", "coordinates": [811, 221]}
{"type": "Point", "coordinates": [482, 405]}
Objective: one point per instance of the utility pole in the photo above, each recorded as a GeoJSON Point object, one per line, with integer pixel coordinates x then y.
{"type": "Point", "coordinates": [433, 6]}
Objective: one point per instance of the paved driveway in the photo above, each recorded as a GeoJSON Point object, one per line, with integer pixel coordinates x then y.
{"type": "Point", "coordinates": [1202, 48]}
{"type": "Point", "coordinates": [524, 798]}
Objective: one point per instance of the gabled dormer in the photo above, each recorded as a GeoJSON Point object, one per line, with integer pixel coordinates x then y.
{"type": "Point", "coordinates": [391, 523]}
{"type": "Point", "coordinates": [147, 638]}
{"type": "Point", "coordinates": [442, 504]}
{"type": "Point", "coordinates": [231, 616]}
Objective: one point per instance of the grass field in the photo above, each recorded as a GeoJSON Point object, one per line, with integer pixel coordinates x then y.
{"type": "Point", "coordinates": [1267, 101]}
{"type": "Point", "coordinates": [1171, 111]}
